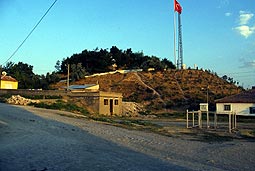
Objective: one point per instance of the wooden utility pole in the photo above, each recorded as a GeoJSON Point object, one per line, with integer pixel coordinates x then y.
{"type": "Point", "coordinates": [68, 73]}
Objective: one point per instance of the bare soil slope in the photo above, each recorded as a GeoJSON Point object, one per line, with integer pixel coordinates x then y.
{"type": "Point", "coordinates": [173, 89]}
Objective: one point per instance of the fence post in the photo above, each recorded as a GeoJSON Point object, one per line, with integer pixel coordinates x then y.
{"type": "Point", "coordinates": [200, 119]}
{"type": "Point", "coordinates": [229, 122]}
{"type": "Point", "coordinates": [187, 117]}
{"type": "Point", "coordinates": [235, 121]}
{"type": "Point", "coordinates": [207, 115]}
{"type": "Point", "coordinates": [193, 119]}
{"type": "Point", "coordinates": [215, 120]}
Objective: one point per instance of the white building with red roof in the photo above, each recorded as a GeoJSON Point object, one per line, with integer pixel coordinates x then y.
{"type": "Point", "coordinates": [241, 104]}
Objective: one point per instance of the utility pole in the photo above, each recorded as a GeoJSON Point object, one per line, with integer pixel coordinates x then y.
{"type": "Point", "coordinates": [68, 73]}
{"type": "Point", "coordinates": [207, 94]}
{"type": "Point", "coordinates": [207, 101]}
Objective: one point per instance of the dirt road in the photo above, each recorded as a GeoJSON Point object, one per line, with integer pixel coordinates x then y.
{"type": "Point", "coordinates": [38, 140]}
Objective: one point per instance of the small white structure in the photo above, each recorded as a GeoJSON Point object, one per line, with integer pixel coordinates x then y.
{"type": "Point", "coordinates": [203, 107]}
{"type": "Point", "coordinates": [151, 69]}
{"type": "Point", "coordinates": [241, 104]}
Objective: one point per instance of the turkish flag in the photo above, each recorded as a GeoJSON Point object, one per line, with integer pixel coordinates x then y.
{"type": "Point", "coordinates": [177, 7]}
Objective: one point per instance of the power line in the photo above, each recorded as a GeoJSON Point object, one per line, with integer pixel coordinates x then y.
{"type": "Point", "coordinates": [30, 32]}
{"type": "Point", "coordinates": [249, 72]}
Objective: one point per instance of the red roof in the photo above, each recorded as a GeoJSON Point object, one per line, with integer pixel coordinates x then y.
{"type": "Point", "coordinates": [244, 97]}
{"type": "Point", "coordinates": [8, 78]}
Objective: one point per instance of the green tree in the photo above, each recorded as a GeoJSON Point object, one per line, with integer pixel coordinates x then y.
{"type": "Point", "coordinates": [23, 73]}
{"type": "Point", "coordinates": [7, 68]}
{"type": "Point", "coordinates": [77, 72]}
{"type": "Point", "coordinates": [167, 64]}
{"type": "Point", "coordinates": [152, 62]}
{"type": "Point", "coordinates": [97, 61]}
{"type": "Point", "coordinates": [225, 77]}
{"type": "Point", "coordinates": [58, 66]}
{"type": "Point", "coordinates": [27, 79]}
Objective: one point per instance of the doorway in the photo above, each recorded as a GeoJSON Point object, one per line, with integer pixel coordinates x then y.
{"type": "Point", "coordinates": [111, 106]}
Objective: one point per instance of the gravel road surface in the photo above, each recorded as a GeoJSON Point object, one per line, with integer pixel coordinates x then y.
{"type": "Point", "coordinates": [34, 139]}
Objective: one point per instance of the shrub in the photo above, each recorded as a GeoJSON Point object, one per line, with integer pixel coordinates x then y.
{"type": "Point", "coordinates": [60, 105]}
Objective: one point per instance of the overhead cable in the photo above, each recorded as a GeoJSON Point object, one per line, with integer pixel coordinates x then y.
{"type": "Point", "coordinates": [31, 32]}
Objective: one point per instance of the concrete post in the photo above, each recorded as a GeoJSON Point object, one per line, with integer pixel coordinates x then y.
{"type": "Point", "coordinates": [200, 119]}
{"type": "Point", "coordinates": [229, 122]}
{"type": "Point", "coordinates": [235, 121]}
{"type": "Point", "coordinates": [193, 119]}
{"type": "Point", "coordinates": [187, 117]}
{"type": "Point", "coordinates": [215, 120]}
{"type": "Point", "coordinates": [207, 117]}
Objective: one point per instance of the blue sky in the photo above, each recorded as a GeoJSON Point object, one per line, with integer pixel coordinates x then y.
{"type": "Point", "coordinates": [217, 34]}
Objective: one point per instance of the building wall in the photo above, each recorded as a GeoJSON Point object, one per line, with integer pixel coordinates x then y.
{"type": "Point", "coordinates": [105, 103]}
{"type": "Point", "coordinates": [110, 103]}
{"type": "Point", "coordinates": [239, 108]}
{"type": "Point", "coordinates": [9, 85]}
{"type": "Point", "coordinates": [91, 102]}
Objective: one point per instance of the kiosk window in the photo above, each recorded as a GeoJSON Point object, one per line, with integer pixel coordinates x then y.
{"type": "Point", "coordinates": [105, 101]}
{"type": "Point", "coordinates": [116, 102]}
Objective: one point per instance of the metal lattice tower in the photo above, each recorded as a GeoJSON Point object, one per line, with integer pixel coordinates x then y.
{"type": "Point", "coordinates": [180, 50]}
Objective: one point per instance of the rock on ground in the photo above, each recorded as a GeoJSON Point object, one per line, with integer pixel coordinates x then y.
{"type": "Point", "coordinates": [19, 100]}
{"type": "Point", "coordinates": [131, 108]}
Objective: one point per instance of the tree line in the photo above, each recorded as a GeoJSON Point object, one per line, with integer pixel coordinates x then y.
{"type": "Point", "coordinates": [104, 60]}
{"type": "Point", "coordinates": [27, 79]}
{"type": "Point", "coordinates": [85, 63]}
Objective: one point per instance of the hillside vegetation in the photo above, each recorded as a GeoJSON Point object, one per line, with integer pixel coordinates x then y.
{"type": "Point", "coordinates": [172, 89]}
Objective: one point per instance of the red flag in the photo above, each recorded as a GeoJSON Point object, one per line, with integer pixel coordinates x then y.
{"type": "Point", "coordinates": [177, 7]}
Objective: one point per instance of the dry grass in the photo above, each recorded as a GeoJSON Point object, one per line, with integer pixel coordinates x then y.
{"type": "Point", "coordinates": [178, 88]}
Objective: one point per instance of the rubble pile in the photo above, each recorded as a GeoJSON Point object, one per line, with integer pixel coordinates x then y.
{"type": "Point", "coordinates": [131, 108]}
{"type": "Point", "coordinates": [19, 100]}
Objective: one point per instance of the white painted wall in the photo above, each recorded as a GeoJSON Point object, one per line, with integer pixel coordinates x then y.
{"type": "Point", "coordinates": [239, 108]}
{"type": "Point", "coordinates": [113, 72]}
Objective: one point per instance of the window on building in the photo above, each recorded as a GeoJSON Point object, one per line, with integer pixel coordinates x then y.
{"type": "Point", "coordinates": [105, 101]}
{"type": "Point", "coordinates": [227, 107]}
{"type": "Point", "coordinates": [252, 110]}
{"type": "Point", "coordinates": [116, 102]}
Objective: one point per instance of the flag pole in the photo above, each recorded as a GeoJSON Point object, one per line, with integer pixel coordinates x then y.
{"type": "Point", "coordinates": [178, 9]}
{"type": "Point", "coordinates": [180, 48]}
{"type": "Point", "coordinates": [175, 40]}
